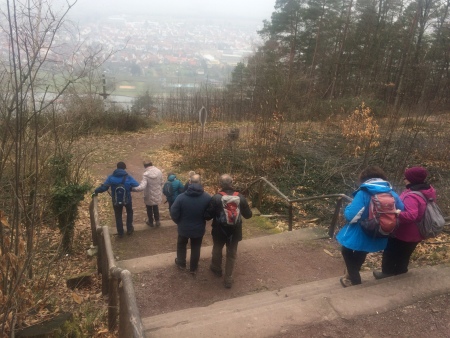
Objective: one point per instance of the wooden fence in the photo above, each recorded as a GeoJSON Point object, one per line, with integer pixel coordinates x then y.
{"type": "Point", "coordinates": [117, 283]}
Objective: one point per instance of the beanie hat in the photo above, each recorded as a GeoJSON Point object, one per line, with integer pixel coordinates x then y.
{"type": "Point", "coordinates": [121, 165]}
{"type": "Point", "coordinates": [416, 175]}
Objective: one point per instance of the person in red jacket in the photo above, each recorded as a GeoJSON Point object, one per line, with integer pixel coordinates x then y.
{"type": "Point", "coordinates": [399, 248]}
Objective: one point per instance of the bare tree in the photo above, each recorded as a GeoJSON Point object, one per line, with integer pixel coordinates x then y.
{"type": "Point", "coordinates": [44, 57]}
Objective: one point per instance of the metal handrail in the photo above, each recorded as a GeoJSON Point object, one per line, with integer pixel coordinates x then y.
{"type": "Point", "coordinates": [340, 198]}
{"type": "Point", "coordinates": [116, 282]}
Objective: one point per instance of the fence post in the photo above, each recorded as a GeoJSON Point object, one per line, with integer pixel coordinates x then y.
{"type": "Point", "coordinates": [113, 303]}
{"type": "Point", "coordinates": [125, 329]}
{"type": "Point", "coordinates": [260, 193]}
{"type": "Point", "coordinates": [290, 216]}
{"type": "Point", "coordinates": [335, 218]}
{"type": "Point", "coordinates": [105, 268]}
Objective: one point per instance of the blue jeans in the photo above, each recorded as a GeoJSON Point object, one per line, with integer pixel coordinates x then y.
{"type": "Point", "coordinates": [118, 214]}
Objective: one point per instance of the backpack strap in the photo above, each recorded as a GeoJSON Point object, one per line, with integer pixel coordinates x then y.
{"type": "Point", "coordinates": [223, 193]}
{"type": "Point", "coordinates": [414, 192]}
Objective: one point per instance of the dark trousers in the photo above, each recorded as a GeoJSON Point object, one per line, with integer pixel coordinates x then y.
{"type": "Point", "coordinates": [216, 261]}
{"type": "Point", "coordinates": [152, 213]}
{"type": "Point", "coordinates": [196, 244]}
{"type": "Point", "coordinates": [396, 256]}
{"type": "Point", "coordinates": [353, 260]}
{"type": "Point", "coordinates": [118, 214]}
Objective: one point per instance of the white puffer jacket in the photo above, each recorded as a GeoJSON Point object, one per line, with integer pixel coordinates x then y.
{"type": "Point", "coordinates": [152, 182]}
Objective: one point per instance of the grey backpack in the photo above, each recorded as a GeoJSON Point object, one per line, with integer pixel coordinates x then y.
{"type": "Point", "coordinates": [432, 222]}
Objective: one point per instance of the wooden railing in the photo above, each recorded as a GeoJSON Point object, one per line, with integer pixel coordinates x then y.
{"type": "Point", "coordinates": [116, 282]}
{"type": "Point", "coordinates": [340, 198]}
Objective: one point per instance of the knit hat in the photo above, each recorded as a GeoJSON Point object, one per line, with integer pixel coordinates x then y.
{"type": "Point", "coordinates": [416, 175]}
{"type": "Point", "coordinates": [121, 165]}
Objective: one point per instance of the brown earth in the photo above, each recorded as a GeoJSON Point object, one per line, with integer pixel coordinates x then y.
{"type": "Point", "coordinates": [170, 289]}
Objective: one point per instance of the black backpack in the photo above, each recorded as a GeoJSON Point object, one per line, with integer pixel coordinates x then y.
{"type": "Point", "coordinates": [120, 193]}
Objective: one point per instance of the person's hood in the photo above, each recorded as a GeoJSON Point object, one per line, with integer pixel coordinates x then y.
{"type": "Point", "coordinates": [375, 186]}
{"type": "Point", "coordinates": [172, 177]}
{"type": "Point", "coordinates": [151, 172]}
{"type": "Point", "coordinates": [194, 189]}
{"type": "Point", "coordinates": [426, 189]}
{"type": "Point", "coordinates": [120, 173]}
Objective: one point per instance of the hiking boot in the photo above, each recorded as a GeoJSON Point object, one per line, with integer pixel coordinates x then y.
{"type": "Point", "coordinates": [180, 266]}
{"type": "Point", "coordinates": [148, 223]}
{"type": "Point", "coordinates": [157, 223]}
{"type": "Point", "coordinates": [120, 235]}
{"type": "Point", "coordinates": [228, 282]}
{"type": "Point", "coordinates": [380, 274]}
{"type": "Point", "coordinates": [218, 273]}
{"type": "Point", "coordinates": [129, 232]}
{"type": "Point", "coordinates": [193, 273]}
{"type": "Point", "coordinates": [345, 282]}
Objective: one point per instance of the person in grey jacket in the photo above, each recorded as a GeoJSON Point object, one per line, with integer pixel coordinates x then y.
{"type": "Point", "coordinates": [151, 184]}
{"type": "Point", "coordinates": [187, 212]}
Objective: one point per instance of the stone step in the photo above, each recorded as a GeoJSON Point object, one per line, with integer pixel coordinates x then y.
{"type": "Point", "coordinates": [269, 313]}
{"type": "Point", "coordinates": [139, 226]}
{"type": "Point", "coordinates": [140, 264]}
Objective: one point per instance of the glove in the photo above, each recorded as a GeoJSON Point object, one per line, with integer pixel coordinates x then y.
{"type": "Point", "coordinates": [93, 194]}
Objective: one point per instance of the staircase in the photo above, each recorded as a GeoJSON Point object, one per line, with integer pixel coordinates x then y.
{"type": "Point", "coordinates": [265, 314]}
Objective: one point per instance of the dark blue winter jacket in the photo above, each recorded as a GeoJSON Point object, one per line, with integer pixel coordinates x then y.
{"type": "Point", "coordinates": [114, 180]}
{"type": "Point", "coordinates": [188, 209]}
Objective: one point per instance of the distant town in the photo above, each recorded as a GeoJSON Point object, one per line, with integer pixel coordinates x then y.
{"type": "Point", "coordinates": [158, 54]}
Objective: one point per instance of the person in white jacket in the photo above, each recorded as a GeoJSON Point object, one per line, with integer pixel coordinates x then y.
{"type": "Point", "coordinates": [151, 184]}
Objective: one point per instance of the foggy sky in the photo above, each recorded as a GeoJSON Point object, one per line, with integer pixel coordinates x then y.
{"type": "Point", "coordinates": [252, 9]}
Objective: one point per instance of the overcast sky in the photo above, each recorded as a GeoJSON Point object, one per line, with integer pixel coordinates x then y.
{"type": "Point", "coordinates": [252, 9]}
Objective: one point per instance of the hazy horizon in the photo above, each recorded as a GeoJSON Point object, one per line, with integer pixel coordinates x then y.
{"type": "Point", "coordinates": [255, 10]}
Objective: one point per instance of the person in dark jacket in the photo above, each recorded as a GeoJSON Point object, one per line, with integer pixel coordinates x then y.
{"type": "Point", "coordinates": [399, 248]}
{"type": "Point", "coordinates": [188, 213]}
{"type": "Point", "coordinates": [120, 176]}
{"type": "Point", "coordinates": [224, 234]}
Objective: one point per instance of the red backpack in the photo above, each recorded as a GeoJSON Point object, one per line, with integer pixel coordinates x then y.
{"type": "Point", "coordinates": [382, 220]}
{"type": "Point", "coordinates": [231, 213]}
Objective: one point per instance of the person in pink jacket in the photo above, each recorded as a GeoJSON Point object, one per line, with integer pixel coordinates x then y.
{"type": "Point", "coordinates": [399, 248]}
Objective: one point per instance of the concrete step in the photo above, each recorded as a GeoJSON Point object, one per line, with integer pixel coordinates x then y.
{"type": "Point", "coordinates": [139, 226]}
{"type": "Point", "coordinates": [268, 313]}
{"type": "Point", "coordinates": [137, 265]}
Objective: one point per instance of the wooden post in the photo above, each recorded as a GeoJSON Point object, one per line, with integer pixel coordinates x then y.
{"type": "Point", "coordinates": [105, 268]}
{"type": "Point", "coordinates": [113, 303]}
{"type": "Point", "coordinates": [335, 218]}
{"type": "Point", "coordinates": [290, 216]}
{"type": "Point", "coordinates": [125, 329]}
{"type": "Point", "coordinates": [260, 193]}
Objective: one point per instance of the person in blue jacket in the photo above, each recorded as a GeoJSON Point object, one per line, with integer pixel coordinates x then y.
{"type": "Point", "coordinates": [355, 243]}
{"type": "Point", "coordinates": [120, 176]}
{"type": "Point", "coordinates": [177, 188]}
{"type": "Point", "coordinates": [187, 212]}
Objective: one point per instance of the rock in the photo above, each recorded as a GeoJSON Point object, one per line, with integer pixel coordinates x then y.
{"type": "Point", "coordinates": [55, 327]}
{"type": "Point", "coordinates": [83, 279]}
{"type": "Point", "coordinates": [92, 251]}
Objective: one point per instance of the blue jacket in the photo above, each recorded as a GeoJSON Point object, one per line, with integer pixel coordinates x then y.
{"type": "Point", "coordinates": [188, 209]}
{"type": "Point", "coordinates": [351, 235]}
{"type": "Point", "coordinates": [177, 187]}
{"type": "Point", "coordinates": [114, 180]}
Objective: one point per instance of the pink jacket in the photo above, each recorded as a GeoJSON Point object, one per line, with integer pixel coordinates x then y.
{"type": "Point", "coordinates": [414, 211]}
